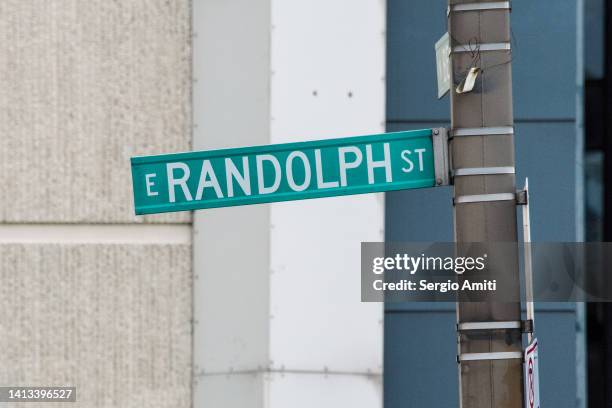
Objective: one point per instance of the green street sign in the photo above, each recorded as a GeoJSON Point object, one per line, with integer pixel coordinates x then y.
{"type": "Point", "coordinates": [291, 171]}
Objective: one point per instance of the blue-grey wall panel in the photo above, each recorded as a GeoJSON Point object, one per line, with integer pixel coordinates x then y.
{"type": "Point", "coordinates": [420, 360]}
{"type": "Point", "coordinates": [556, 334]}
{"type": "Point", "coordinates": [413, 27]}
{"type": "Point", "coordinates": [546, 153]}
{"type": "Point", "coordinates": [430, 217]}
{"type": "Point", "coordinates": [594, 37]}
{"type": "Point", "coordinates": [544, 59]}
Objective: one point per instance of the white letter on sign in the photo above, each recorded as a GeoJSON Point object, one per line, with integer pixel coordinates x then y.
{"type": "Point", "coordinates": [232, 173]}
{"type": "Point", "coordinates": [420, 153]}
{"type": "Point", "coordinates": [386, 163]}
{"type": "Point", "coordinates": [150, 184]}
{"type": "Point", "coordinates": [405, 155]}
{"type": "Point", "coordinates": [182, 181]}
{"type": "Point", "coordinates": [290, 180]}
{"type": "Point", "coordinates": [319, 166]}
{"type": "Point", "coordinates": [344, 165]}
{"type": "Point", "coordinates": [208, 172]}
{"type": "Point", "coordinates": [260, 174]}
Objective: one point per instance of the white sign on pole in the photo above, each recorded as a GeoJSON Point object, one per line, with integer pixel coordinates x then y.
{"type": "Point", "coordinates": [443, 65]}
{"type": "Point", "coordinates": [532, 381]}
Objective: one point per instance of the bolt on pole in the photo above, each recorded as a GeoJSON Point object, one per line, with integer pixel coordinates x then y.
{"type": "Point", "coordinates": [490, 353]}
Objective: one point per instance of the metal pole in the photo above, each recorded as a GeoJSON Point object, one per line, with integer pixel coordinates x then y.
{"type": "Point", "coordinates": [490, 357]}
{"type": "Point", "coordinates": [529, 306]}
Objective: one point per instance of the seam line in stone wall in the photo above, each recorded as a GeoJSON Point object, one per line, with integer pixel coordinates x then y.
{"type": "Point", "coordinates": [95, 233]}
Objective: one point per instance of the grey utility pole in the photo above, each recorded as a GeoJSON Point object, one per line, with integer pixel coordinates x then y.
{"type": "Point", "coordinates": [489, 333]}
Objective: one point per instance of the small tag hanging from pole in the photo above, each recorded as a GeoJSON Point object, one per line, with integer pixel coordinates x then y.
{"type": "Point", "coordinates": [467, 85]}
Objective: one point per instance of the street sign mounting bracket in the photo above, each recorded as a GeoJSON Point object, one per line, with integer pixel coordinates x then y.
{"type": "Point", "coordinates": [441, 156]}
{"type": "Point", "coordinates": [522, 198]}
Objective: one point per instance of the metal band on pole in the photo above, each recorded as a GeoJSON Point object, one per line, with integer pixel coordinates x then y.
{"type": "Point", "coordinates": [483, 171]}
{"type": "Point", "coordinates": [483, 131]}
{"type": "Point", "coordinates": [503, 355]}
{"type": "Point", "coordinates": [482, 198]}
{"type": "Point", "coordinates": [489, 105]}
{"type": "Point", "coordinates": [503, 46]}
{"type": "Point", "coordinates": [485, 5]}
{"type": "Point", "coordinates": [488, 326]}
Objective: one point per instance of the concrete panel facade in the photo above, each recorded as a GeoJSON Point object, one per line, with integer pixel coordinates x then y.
{"type": "Point", "coordinates": [85, 85]}
{"type": "Point", "coordinates": [88, 297]}
{"type": "Point", "coordinates": [112, 320]}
